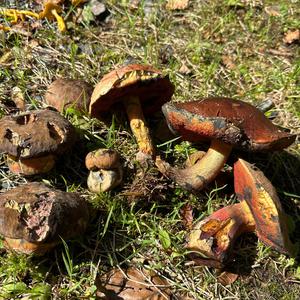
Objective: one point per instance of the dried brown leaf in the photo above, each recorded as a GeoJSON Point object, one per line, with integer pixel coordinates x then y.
{"type": "Point", "coordinates": [228, 62]}
{"type": "Point", "coordinates": [291, 36]}
{"type": "Point", "coordinates": [18, 98]}
{"type": "Point", "coordinates": [227, 278]}
{"type": "Point", "coordinates": [272, 11]}
{"type": "Point", "coordinates": [187, 216]}
{"type": "Point", "coordinates": [177, 4]}
{"type": "Point", "coordinates": [184, 69]}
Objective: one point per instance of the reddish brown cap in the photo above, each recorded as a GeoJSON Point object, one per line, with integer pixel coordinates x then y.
{"type": "Point", "coordinates": [145, 82]}
{"type": "Point", "coordinates": [102, 159]}
{"type": "Point", "coordinates": [38, 214]}
{"type": "Point", "coordinates": [36, 133]}
{"type": "Point", "coordinates": [251, 185]}
{"type": "Point", "coordinates": [64, 92]}
{"type": "Point", "coordinates": [232, 121]}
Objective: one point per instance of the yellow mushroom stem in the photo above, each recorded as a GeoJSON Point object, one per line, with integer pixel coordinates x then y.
{"type": "Point", "coordinates": [17, 14]}
{"type": "Point", "coordinates": [139, 127]}
{"type": "Point", "coordinates": [60, 21]}
{"type": "Point", "coordinates": [215, 235]}
{"type": "Point", "coordinates": [204, 171]}
{"type": "Point", "coordinates": [31, 166]}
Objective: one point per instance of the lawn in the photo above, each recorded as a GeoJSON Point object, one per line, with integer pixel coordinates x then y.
{"type": "Point", "coordinates": [238, 49]}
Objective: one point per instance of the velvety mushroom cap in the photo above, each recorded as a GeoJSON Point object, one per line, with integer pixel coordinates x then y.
{"type": "Point", "coordinates": [132, 284]}
{"type": "Point", "coordinates": [102, 159]}
{"type": "Point", "coordinates": [36, 133]}
{"type": "Point", "coordinates": [145, 82]}
{"type": "Point", "coordinates": [232, 121]}
{"type": "Point", "coordinates": [38, 214]}
{"type": "Point", "coordinates": [251, 185]}
{"type": "Point", "coordinates": [63, 93]}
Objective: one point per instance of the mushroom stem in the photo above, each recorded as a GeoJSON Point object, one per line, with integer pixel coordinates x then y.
{"type": "Point", "coordinates": [60, 21]}
{"type": "Point", "coordinates": [215, 236]}
{"type": "Point", "coordinates": [138, 126]}
{"type": "Point", "coordinates": [196, 177]}
{"type": "Point", "coordinates": [31, 166]}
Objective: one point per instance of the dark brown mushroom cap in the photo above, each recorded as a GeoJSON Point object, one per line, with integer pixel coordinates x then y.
{"type": "Point", "coordinates": [251, 185]}
{"type": "Point", "coordinates": [146, 82]}
{"type": "Point", "coordinates": [36, 213]}
{"type": "Point", "coordinates": [102, 159]}
{"type": "Point", "coordinates": [132, 284]}
{"type": "Point", "coordinates": [36, 133]}
{"type": "Point", "coordinates": [232, 121]}
{"type": "Point", "coordinates": [64, 92]}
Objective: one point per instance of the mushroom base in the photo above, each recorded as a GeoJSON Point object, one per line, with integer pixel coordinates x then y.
{"type": "Point", "coordinates": [31, 166]}
{"type": "Point", "coordinates": [215, 236]}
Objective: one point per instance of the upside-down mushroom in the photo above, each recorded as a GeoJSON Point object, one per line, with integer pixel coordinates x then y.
{"type": "Point", "coordinates": [228, 124]}
{"type": "Point", "coordinates": [34, 218]}
{"type": "Point", "coordinates": [105, 170]}
{"type": "Point", "coordinates": [140, 90]}
{"type": "Point", "coordinates": [33, 140]}
{"type": "Point", "coordinates": [64, 92]}
{"type": "Point", "coordinates": [259, 211]}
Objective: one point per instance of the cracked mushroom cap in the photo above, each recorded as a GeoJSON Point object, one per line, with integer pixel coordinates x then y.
{"type": "Point", "coordinates": [145, 82]}
{"type": "Point", "coordinates": [102, 159]}
{"type": "Point", "coordinates": [232, 121]}
{"type": "Point", "coordinates": [33, 217]}
{"type": "Point", "coordinates": [251, 185]}
{"type": "Point", "coordinates": [36, 133]}
{"type": "Point", "coordinates": [64, 92]}
{"type": "Point", "coordinates": [132, 284]}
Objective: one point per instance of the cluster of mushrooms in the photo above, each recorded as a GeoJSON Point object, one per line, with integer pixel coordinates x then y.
{"type": "Point", "coordinates": [34, 218]}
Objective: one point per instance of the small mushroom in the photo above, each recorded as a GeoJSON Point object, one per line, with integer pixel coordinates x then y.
{"type": "Point", "coordinates": [105, 170]}
{"type": "Point", "coordinates": [34, 218]}
{"type": "Point", "coordinates": [140, 90]}
{"type": "Point", "coordinates": [132, 284]}
{"type": "Point", "coordinates": [228, 124]}
{"type": "Point", "coordinates": [259, 211]}
{"type": "Point", "coordinates": [64, 92]}
{"type": "Point", "coordinates": [33, 140]}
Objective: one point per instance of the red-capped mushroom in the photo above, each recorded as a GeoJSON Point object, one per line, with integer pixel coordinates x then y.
{"type": "Point", "coordinates": [259, 211]}
{"type": "Point", "coordinates": [228, 124]}
{"type": "Point", "coordinates": [140, 90]}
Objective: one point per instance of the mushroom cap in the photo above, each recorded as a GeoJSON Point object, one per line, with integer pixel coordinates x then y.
{"type": "Point", "coordinates": [36, 133]}
{"type": "Point", "coordinates": [231, 121]}
{"type": "Point", "coordinates": [251, 185]}
{"type": "Point", "coordinates": [102, 159]}
{"type": "Point", "coordinates": [145, 82]}
{"type": "Point", "coordinates": [49, 5]}
{"type": "Point", "coordinates": [132, 284]}
{"type": "Point", "coordinates": [64, 92]}
{"type": "Point", "coordinates": [38, 214]}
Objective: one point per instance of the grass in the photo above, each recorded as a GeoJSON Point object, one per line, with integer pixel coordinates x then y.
{"type": "Point", "coordinates": [230, 48]}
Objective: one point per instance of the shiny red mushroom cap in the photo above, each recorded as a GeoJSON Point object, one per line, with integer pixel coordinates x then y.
{"type": "Point", "coordinates": [232, 121]}
{"type": "Point", "coordinates": [251, 185]}
{"type": "Point", "coordinates": [145, 82]}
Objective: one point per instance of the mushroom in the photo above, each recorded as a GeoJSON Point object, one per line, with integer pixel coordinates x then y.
{"type": "Point", "coordinates": [64, 92]}
{"type": "Point", "coordinates": [33, 140]}
{"type": "Point", "coordinates": [105, 170]}
{"type": "Point", "coordinates": [34, 218]}
{"type": "Point", "coordinates": [227, 123]}
{"type": "Point", "coordinates": [132, 284]}
{"type": "Point", "coordinates": [259, 211]}
{"type": "Point", "coordinates": [141, 90]}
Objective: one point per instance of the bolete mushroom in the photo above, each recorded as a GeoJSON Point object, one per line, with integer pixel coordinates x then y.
{"type": "Point", "coordinates": [140, 89]}
{"type": "Point", "coordinates": [33, 140]}
{"type": "Point", "coordinates": [259, 211]}
{"type": "Point", "coordinates": [228, 124]}
{"type": "Point", "coordinates": [64, 92]}
{"type": "Point", "coordinates": [105, 170]}
{"type": "Point", "coordinates": [132, 284]}
{"type": "Point", "coordinates": [34, 218]}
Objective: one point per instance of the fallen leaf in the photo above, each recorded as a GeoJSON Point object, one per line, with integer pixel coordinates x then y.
{"type": "Point", "coordinates": [272, 11]}
{"type": "Point", "coordinates": [18, 98]}
{"type": "Point", "coordinates": [132, 284]}
{"type": "Point", "coordinates": [228, 62]}
{"type": "Point", "coordinates": [291, 36]}
{"type": "Point", "coordinates": [177, 4]}
{"type": "Point", "coordinates": [227, 278]}
{"type": "Point", "coordinates": [184, 69]}
{"type": "Point", "coordinates": [187, 216]}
